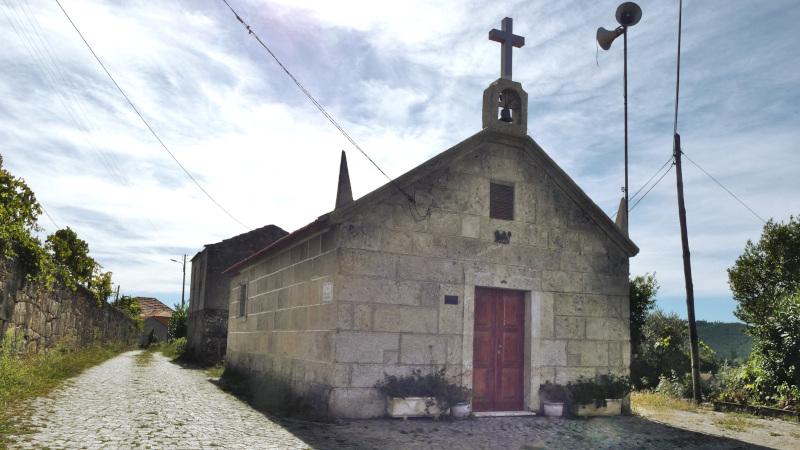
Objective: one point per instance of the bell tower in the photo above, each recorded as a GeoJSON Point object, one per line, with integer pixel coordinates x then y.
{"type": "Point", "coordinates": [505, 103]}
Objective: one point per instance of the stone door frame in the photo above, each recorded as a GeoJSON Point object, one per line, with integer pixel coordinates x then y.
{"type": "Point", "coordinates": [538, 307]}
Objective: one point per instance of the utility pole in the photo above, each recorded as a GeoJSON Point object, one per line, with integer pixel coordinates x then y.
{"type": "Point", "coordinates": [116, 298]}
{"type": "Point", "coordinates": [183, 284]}
{"type": "Point", "coordinates": [697, 394]}
{"type": "Point", "coordinates": [625, 95]}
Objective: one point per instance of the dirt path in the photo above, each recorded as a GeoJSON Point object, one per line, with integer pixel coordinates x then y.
{"type": "Point", "coordinates": [773, 433]}
{"type": "Point", "coordinates": [130, 403]}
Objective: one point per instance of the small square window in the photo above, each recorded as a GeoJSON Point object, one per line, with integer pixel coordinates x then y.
{"type": "Point", "coordinates": [243, 300]}
{"type": "Point", "coordinates": [501, 201]}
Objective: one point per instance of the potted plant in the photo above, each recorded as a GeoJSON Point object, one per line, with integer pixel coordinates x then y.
{"type": "Point", "coordinates": [553, 397]}
{"type": "Point", "coordinates": [421, 395]}
{"type": "Point", "coordinates": [458, 399]}
{"type": "Point", "coordinates": [599, 396]}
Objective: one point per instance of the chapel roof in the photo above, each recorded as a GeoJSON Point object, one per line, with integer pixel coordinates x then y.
{"type": "Point", "coordinates": [442, 160]}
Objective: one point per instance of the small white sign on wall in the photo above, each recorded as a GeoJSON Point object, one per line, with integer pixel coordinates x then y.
{"type": "Point", "coordinates": [327, 292]}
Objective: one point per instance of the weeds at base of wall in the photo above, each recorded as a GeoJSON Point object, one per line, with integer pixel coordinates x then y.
{"type": "Point", "coordinates": [272, 395]}
{"type": "Point", "coordinates": [173, 349]}
{"type": "Point", "coordinates": [26, 376]}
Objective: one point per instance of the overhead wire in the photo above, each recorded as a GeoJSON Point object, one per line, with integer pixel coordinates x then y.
{"type": "Point", "coordinates": [316, 103]}
{"type": "Point", "coordinates": [655, 174]}
{"type": "Point", "coordinates": [651, 178]}
{"type": "Point", "coordinates": [146, 123]}
{"type": "Point", "coordinates": [44, 58]}
{"type": "Point", "coordinates": [651, 188]}
{"type": "Point", "coordinates": [58, 227]}
{"type": "Point", "coordinates": [723, 187]}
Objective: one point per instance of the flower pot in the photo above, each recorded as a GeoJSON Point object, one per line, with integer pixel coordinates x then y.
{"type": "Point", "coordinates": [461, 410]}
{"type": "Point", "coordinates": [412, 407]}
{"type": "Point", "coordinates": [613, 408]}
{"type": "Point", "coordinates": [553, 409]}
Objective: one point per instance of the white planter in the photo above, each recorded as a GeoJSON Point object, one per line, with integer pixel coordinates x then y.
{"type": "Point", "coordinates": [613, 408]}
{"type": "Point", "coordinates": [412, 407]}
{"type": "Point", "coordinates": [461, 410]}
{"type": "Point", "coordinates": [552, 409]}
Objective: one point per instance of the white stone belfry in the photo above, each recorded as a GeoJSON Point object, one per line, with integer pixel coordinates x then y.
{"type": "Point", "coordinates": [508, 94]}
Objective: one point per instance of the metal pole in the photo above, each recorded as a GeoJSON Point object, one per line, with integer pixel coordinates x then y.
{"type": "Point", "coordinates": [183, 285]}
{"type": "Point", "coordinates": [697, 394]}
{"type": "Point", "coordinates": [625, 88]}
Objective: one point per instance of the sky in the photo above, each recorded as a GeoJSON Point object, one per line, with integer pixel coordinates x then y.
{"type": "Point", "coordinates": [406, 80]}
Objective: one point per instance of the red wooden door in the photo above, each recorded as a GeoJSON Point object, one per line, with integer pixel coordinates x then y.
{"type": "Point", "coordinates": [498, 350]}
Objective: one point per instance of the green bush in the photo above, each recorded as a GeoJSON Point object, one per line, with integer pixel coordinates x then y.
{"type": "Point", "coordinates": [765, 281]}
{"type": "Point", "coordinates": [178, 322]}
{"type": "Point", "coordinates": [416, 384]}
{"type": "Point", "coordinates": [596, 390]}
{"type": "Point", "coordinates": [174, 348]}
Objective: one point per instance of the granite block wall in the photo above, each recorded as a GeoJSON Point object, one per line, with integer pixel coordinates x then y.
{"type": "Point", "coordinates": [37, 318]}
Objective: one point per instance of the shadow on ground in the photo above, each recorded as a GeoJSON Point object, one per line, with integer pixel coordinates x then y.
{"type": "Point", "coordinates": [504, 432]}
{"type": "Point", "coordinates": [526, 433]}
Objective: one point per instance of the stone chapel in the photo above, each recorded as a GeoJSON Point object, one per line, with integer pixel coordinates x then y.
{"type": "Point", "coordinates": [487, 260]}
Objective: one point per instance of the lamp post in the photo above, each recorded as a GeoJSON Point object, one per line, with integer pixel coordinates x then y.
{"type": "Point", "coordinates": [183, 284]}
{"type": "Point", "coordinates": [628, 14]}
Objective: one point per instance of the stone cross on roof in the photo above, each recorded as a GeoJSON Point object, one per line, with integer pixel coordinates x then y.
{"type": "Point", "coordinates": [507, 39]}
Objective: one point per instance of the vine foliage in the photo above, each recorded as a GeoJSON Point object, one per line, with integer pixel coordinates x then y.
{"type": "Point", "coordinates": [64, 256]}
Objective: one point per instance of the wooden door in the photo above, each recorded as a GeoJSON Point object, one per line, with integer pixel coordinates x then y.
{"type": "Point", "coordinates": [498, 350]}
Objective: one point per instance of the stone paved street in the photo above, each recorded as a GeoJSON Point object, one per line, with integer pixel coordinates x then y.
{"type": "Point", "coordinates": [158, 404]}
{"type": "Point", "coordinates": [125, 404]}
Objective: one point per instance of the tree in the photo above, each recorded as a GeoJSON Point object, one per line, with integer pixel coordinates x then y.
{"type": "Point", "coordinates": [19, 211]}
{"type": "Point", "coordinates": [643, 290]}
{"type": "Point", "coordinates": [177, 323]}
{"type": "Point", "coordinates": [765, 280]}
{"type": "Point", "coordinates": [130, 307]}
{"type": "Point", "coordinates": [664, 349]}
{"type": "Point", "coordinates": [766, 271]}
{"type": "Point", "coordinates": [72, 253]}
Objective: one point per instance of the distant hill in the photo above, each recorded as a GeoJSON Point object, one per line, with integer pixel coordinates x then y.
{"type": "Point", "coordinates": [727, 339]}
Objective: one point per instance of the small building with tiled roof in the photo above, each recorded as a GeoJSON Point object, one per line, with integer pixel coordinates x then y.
{"type": "Point", "coordinates": [155, 317]}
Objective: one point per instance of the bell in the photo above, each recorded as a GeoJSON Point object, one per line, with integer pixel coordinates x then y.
{"type": "Point", "coordinates": [505, 115]}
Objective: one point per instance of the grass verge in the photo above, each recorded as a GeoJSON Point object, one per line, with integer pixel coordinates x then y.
{"type": "Point", "coordinates": [23, 377]}
{"type": "Point", "coordinates": [653, 400]}
{"type": "Point", "coordinates": [733, 422]}
{"type": "Point", "coordinates": [172, 349]}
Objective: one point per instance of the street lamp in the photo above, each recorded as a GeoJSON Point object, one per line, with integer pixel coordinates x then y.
{"type": "Point", "coordinates": [628, 15]}
{"type": "Point", "coordinates": [183, 285]}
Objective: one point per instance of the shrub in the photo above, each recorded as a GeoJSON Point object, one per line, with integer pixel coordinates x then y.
{"type": "Point", "coordinates": [417, 384]}
{"type": "Point", "coordinates": [555, 393]}
{"type": "Point", "coordinates": [178, 322]}
{"type": "Point", "coordinates": [596, 390]}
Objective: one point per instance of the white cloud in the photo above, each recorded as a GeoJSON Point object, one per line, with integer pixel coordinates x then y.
{"type": "Point", "coordinates": [406, 80]}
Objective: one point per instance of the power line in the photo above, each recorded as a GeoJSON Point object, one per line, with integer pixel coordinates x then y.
{"type": "Point", "coordinates": [723, 187]}
{"type": "Point", "coordinates": [316, 103]}
{"type": "Point", "coordinates": [651, 188]}
{"type": "Point", "coordinates": [152, 131]}
{"type": "Point", "coordinates": [651, 178]}
{"type": "Point", "coordinates": [58, 227]}
{"type": "Point", "coordinates": [647, 183]}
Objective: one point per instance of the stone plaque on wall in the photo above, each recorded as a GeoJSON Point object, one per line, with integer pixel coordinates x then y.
{"type": "Point", "coordinates": [327, 292]}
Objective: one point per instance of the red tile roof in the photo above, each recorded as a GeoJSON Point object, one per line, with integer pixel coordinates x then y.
{"type": "Point", "coordinates": [153, 307]}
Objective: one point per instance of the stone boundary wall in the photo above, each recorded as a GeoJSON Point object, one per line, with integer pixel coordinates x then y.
{"type": "Point", "coordinates": [41, 318]}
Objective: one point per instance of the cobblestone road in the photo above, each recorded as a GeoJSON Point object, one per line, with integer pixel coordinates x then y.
{"type": "Point", "coordinates": [125, 404]}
